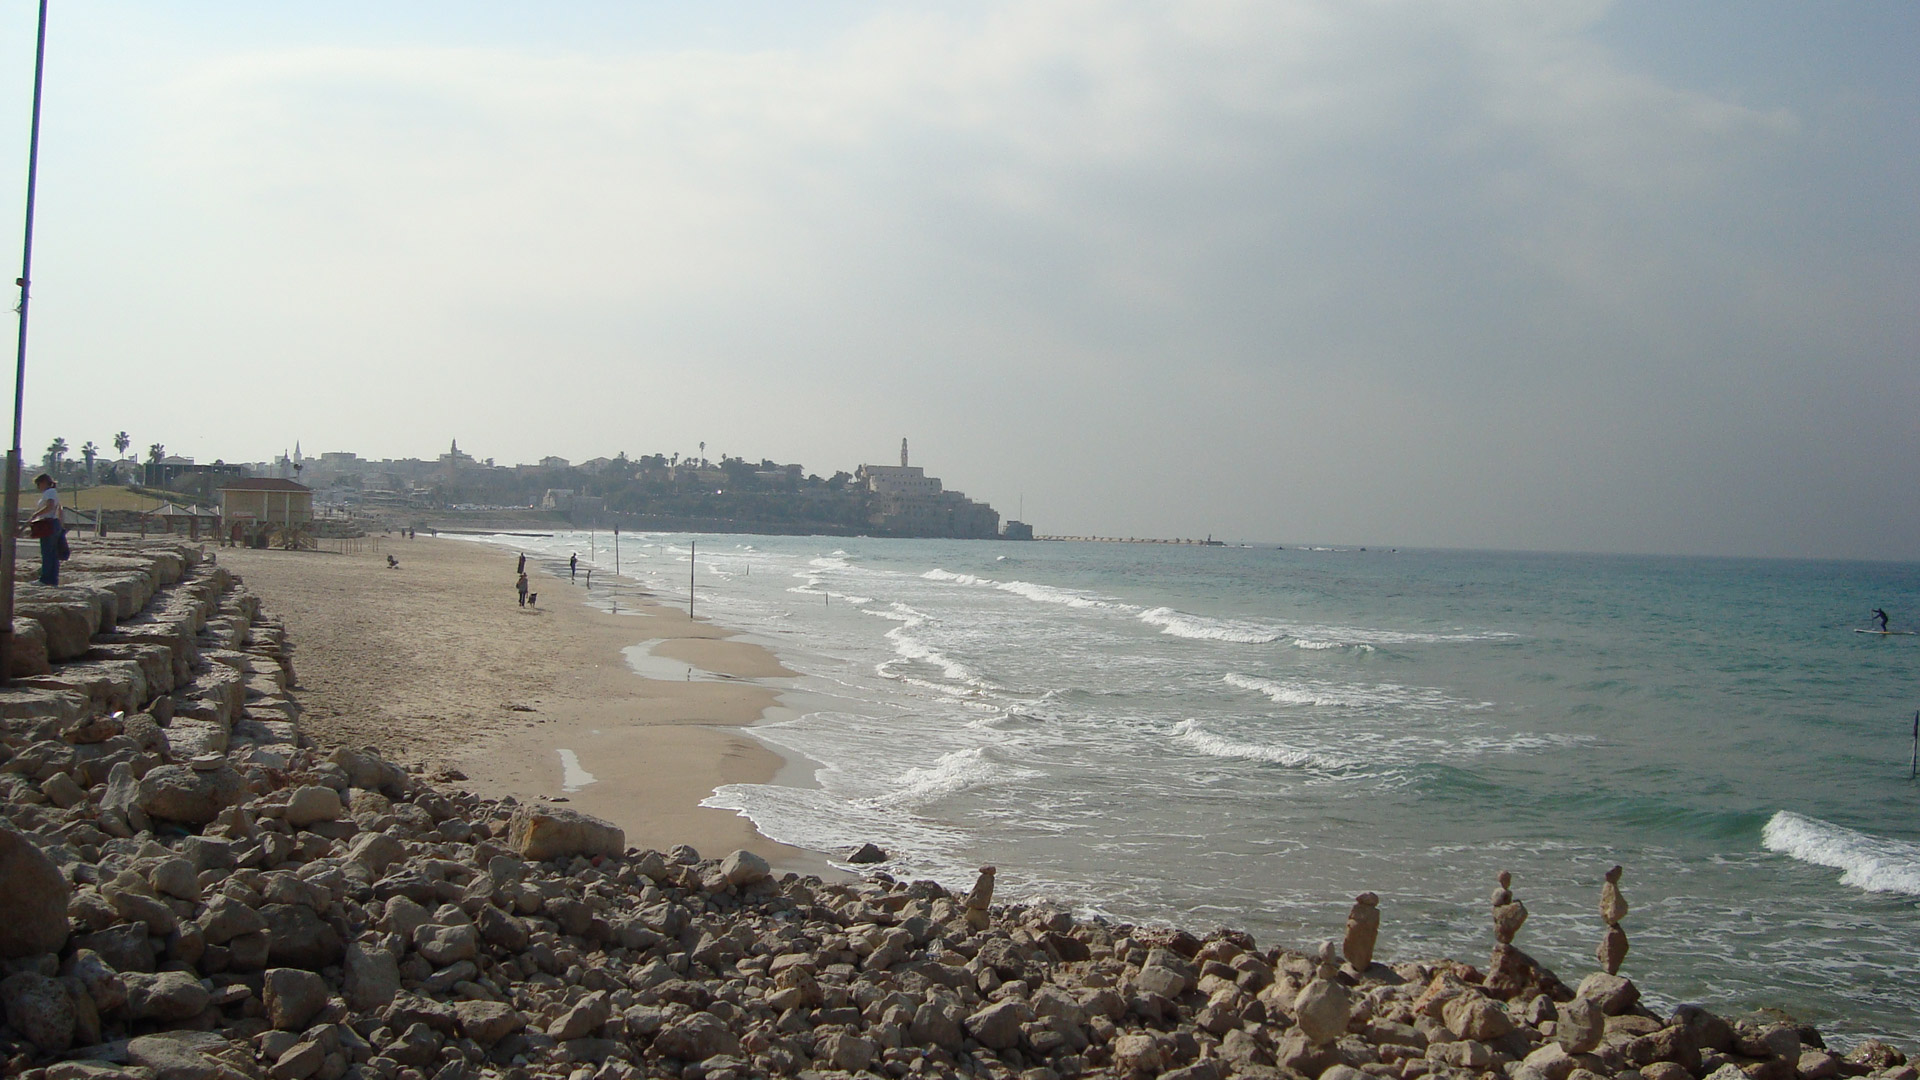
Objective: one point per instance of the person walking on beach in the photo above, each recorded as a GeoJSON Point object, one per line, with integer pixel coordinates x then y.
{"type": "Point", "coordinates": [1882, 616]}
{"type": "Point", "coordinates": [573, 566]}
{"type": "Point", "coordinates": [522, 568]}
{"type": "Point", "coordinates": [522, 586]}
{"type": "Point", "coordinates": [44, 525]}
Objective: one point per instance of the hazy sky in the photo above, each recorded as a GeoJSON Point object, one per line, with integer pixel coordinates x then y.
{"type": "Point", "coordinates": [1616, 277]}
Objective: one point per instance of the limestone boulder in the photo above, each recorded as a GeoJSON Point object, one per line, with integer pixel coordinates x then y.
{"type": "Point", "coordinates": [1321, 1011]}
{"type": "Point", "coordinates": [125, 947]}
{"type": "Point", "coordinates": [696, 1038]}
{"type": "Point", "coordinates": [997, 1026]}
{"type": "Point", "coordinates": [227, 918]}
{"type": "Point", "coordinates": [1475, 1017]}
{"type": "Point", "coordinates": [312, 803]}
{"type": "Point", "coordinates": [33, 902]}
{"type": "Point", "coordinates": [552, 832]}
{"type": "Point", "coordinates": [165, 996]}
{"type": "Point", "coordinates": [487, 1022]}
{"type": "Point", "coordinates": [103, 984]}
{"type": "Point", "coordinates": [297, 937]}
{"type": "Point", "coordinates": [846, 1052]}
{"type": "Point", "coordinates": [29, 655]}
{"type": "Point", "coordinates": [183, 794]}
{"type": "Point", "coordinates": [1581, 1026]}
{"type": "Point", "coordinates": [935, 1026]}
{"type": "Point", "coordinates": [373, 852]}
{"type": "Point", "coordinates": [40, 1009]}
{"type": "Point", "coordinates": [181, 1055]}
{"type": "Point", "coordinates": [68, 624]}
{"type": "Point", "coordinates": [583, 1019]}
{"type": "Point", "coordinates": [369, 772]}
{"type": "Point", "coordinates": [293, 997]}
{"type": "Point", "coordinates": [444, 945]}
{"type": "Point", "coordinates": [1614, 995]}
{"type": "Point", "coordinates": [744, 868]}
{"type": "Point", "coordinates": [372, 977]}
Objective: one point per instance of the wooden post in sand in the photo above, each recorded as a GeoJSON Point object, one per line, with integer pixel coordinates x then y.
{"type": "Point", "coordinates": [693, 550]}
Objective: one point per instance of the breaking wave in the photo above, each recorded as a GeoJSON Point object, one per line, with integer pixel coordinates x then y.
{"type": "Point", "coordinates": [1867, 862]}
{"type": "Point", "coordinates": [1191, 734]}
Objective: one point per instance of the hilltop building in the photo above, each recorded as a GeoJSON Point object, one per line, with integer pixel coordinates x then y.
{"type": "Point", "coordinates": [908, 502]}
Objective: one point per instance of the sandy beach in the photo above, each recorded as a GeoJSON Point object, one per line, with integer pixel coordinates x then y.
{"type": "Point", "coordinates": [435, 662]}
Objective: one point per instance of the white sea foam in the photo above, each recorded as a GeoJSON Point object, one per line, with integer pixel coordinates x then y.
{"type": "Point", "coordinates": [1248, 632]}
{"type": "Point", "coordinates": [952, 774]}
{"type": "Point", "coordinates": [1204, 628]}
{"type": "Point", "coordinates": [1315, 645]}
{"type": "Point", "coordinates": [1868, 862]}
{"type": "Point", "coordinates": [1190, 733]}
{"type": "Point", "coordinates": [1044, 594]}
{"type": "Point", "coordinates": [1342, 695]}
{"type": "Point", "coordinates": [908, 647]}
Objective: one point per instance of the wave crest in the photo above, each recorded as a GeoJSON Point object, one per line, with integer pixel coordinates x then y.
{"type": "Point", "coordinates": [1868, 862]}
{"type": "Point", "coordinates": [1203, 628]}
{"type": "Point", "coordinates": [1192, 734]}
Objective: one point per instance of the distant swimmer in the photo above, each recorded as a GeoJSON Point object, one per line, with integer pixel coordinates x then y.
{"type": "Point", "coordinates": [1882, 616]}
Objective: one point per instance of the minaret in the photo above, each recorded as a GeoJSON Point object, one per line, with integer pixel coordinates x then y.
{"type": "Point", "coordinates": [903, 452]}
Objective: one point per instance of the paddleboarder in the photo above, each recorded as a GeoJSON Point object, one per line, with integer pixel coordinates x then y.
{"type": "Point", "coordinates": [1882, 616]}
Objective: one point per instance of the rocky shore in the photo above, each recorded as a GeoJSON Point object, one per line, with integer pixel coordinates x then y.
{"type": "Point", "coordinates": [189, 890]}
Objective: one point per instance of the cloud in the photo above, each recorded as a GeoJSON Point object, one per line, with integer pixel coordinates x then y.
{"type": "Point", "coordinates": [1451, 274]}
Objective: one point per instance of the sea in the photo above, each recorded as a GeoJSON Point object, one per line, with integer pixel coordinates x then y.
{"type": "Point", "coordinates": [1248, 736]}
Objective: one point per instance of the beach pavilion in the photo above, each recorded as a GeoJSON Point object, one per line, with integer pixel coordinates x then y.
{"type": "Point", "coordinates": [253, 509]}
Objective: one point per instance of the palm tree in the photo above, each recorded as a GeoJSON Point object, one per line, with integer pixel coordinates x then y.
{"type": "Point", "coordinates": [155, 453]}
{"type": "Point", "coordinates": [56, 450]}
{"type": "Point", "coordinates": [120, 443]}
{"type": "Point", "coordinates": [87, 454]}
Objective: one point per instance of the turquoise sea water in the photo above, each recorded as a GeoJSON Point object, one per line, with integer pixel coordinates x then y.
{"type": "Point", "coordinates": [1250, 736]}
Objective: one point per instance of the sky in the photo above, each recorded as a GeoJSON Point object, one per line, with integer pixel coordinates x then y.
{"type": "Point", "coordinates": [1619, 277]}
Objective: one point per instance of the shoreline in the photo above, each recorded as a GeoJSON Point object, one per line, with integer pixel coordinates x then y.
{"type": "Point", "coordinates": [435, 661]}
{"type": "Point", "coordinates": [270, 802]}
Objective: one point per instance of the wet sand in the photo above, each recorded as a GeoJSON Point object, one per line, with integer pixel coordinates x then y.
{"type": "Point", "coordinates": [435, 662]}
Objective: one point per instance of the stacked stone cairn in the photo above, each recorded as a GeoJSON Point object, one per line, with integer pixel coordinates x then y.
{"type": "Point", "coordinates": [188, 891]}
{"type": "Point", "coordinates": [1363, 932]}
{"type": "Point", "coordinates": [1613, 908]}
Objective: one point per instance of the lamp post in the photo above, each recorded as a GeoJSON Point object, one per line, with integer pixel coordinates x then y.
{"type": "Point", "coordinates": [12, 504]}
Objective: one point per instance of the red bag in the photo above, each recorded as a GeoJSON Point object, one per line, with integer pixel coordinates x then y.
{"type": "Point", "coordinates": [40, 527]}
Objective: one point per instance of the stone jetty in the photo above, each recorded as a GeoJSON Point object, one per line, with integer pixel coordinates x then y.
{"type": "Point", "coordinates": [191, 891]}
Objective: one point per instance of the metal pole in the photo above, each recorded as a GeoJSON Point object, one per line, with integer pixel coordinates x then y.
{"type": "Point", "coordinates": [12, 504]}
{"type": "Point", "coordinates": [693, 552]}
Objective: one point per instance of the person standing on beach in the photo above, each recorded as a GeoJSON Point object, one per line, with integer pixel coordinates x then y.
{"type": "Point", "coordinates": [522, 568]}
{"type": "Point", "coordinates": [522, 586]}
{"type": "Point", "coordinates": [44, 524]}
{"type": "Point", "coordinates": [573, 566]}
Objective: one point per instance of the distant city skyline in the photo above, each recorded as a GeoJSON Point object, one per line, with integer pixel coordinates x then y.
{"type": "Point", "coordinates": [1621, 277]}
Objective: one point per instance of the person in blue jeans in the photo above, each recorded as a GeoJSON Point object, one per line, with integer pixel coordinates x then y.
{"type": "Point", "coordinates": [47, 510]}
